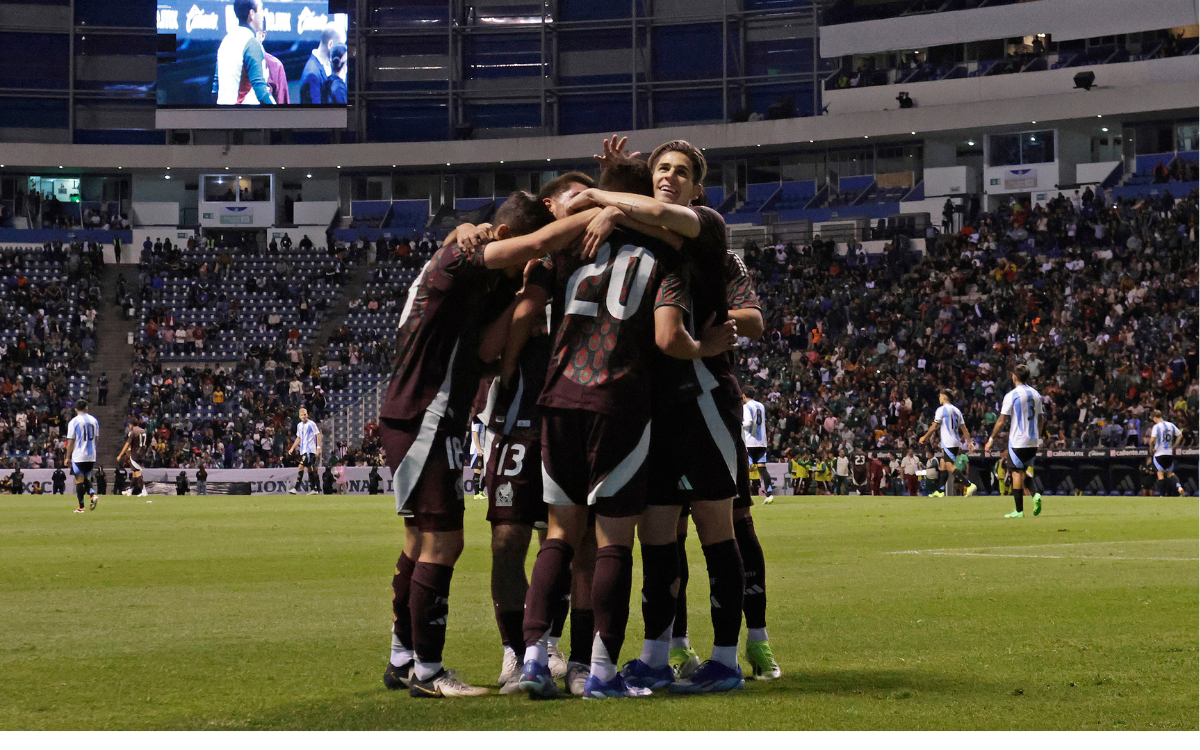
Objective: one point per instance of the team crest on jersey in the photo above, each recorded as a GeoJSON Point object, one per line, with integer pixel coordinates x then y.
{"type": "Point", "coordinates": [504, 495]}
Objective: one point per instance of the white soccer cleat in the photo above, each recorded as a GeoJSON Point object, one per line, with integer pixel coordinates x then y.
{"type": "Point", "coordinates": [557, 664]}
{"type": "Point", "coordinates": [444, 684]}
{"type": "Point", "coordinates": [292, 491]}
{"type": "Point", "coordinates": [768, 499]}
{"type": "Point", "coordinates": [143, 493]}
{"type": "Point", "coordinates": [510, 669]}
{"type": "Point", "coordinates": [127, 491]}
{"type": "Point", "coordinates": [577, 675]}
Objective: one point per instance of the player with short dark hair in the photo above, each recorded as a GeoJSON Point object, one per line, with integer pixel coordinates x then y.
{"type": "Point", "coordinates": [467, 284]}
{"type": "Point", "coordinates": [241, 73]}
{"type": "Point", "coordinates": [132, 456]}
{"type": "Point", "coordinates": [308, 443]}
{"type": "Point", "coordinates": [1022, 405]}
{"type": "Point", "coordinates": [1165, 437]}
{"type": "Point", "coordinates": [596, 432]}
{"type": "Point", "coordinates": [82, 432]}
{"type": "Point", "coordinates": [955, 440]}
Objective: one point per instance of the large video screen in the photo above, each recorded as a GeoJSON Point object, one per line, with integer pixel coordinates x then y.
{"type": "Point", "coordinates": [252, 53]}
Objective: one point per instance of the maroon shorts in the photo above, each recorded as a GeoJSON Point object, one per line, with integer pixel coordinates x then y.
{"type": "Point", "coordinates": [131, 462]}
{"type": "Point", "coordinates": [426, 469]}
{"type": "Point", "coordinates": [513, 478]}
{"type": "Point", "coordinates": [697, 453]}
{"type": "Point", "coordinates": [595, 459]}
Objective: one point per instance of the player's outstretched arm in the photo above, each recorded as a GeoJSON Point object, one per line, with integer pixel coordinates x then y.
{"type": "Point", "coordinates": [610, 218]}
{"type": "Point", "coordinates": [517, 251]}
{"type": "Point", "coordinates": [527, 318]}
{"type": "Point", "coordinates": [680, 219]}
{"type": "Point", "coordinates": [929, 432]}
{"type": "Point", "coordinates": [675, 341]}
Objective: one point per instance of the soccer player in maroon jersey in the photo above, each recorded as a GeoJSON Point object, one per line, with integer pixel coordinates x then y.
{"type": "Point", "coordinates": [464, 286]}
{"type": "Point", "coordinates": [132, 455]}
{"type": "Point", "coordinates": [694, 441]}
{"type": "Point", "coordinates": [595, 436]}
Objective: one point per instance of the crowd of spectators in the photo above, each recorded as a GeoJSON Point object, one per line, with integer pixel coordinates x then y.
{"type": "Point", "coordinates": [1097, 296]}
{"type": "Point", "coordinates": [48, 304]}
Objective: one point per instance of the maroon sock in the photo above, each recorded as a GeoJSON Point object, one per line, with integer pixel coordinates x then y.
{"type": "Point", "coordinates": [679, 629]}
{"type": "Point", "coordinates": [611, 584]}
{"type": "Point", "coordinates": [401, 617]}
{"type": "Point", "coordinates": [583, 625]}
{"type": "Point", "coordinates": [726, 583]}
{"type": "Point", "coordinates": [558, 613]}
{"type": "Point", "coordinates": [511, 624]}
{"type": "Point", "coordinates": [754, 601]}
{"type": "Point", "coordinates": [550, 582]}
{"type": "Point", "coordinates": [429, 602]}
{"type": "Point", "coordinates": [660, 571]}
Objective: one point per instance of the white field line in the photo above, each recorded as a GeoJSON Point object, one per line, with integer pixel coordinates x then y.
{"type": "Point", "coordinates": [967, 551]}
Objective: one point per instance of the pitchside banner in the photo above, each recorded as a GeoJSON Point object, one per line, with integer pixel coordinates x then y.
{"type": "Point", "coordinates": [1102, 472]}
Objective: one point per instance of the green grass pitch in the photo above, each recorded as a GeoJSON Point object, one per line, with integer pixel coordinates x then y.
{"type": "Point", "coordinates": [274, 612]}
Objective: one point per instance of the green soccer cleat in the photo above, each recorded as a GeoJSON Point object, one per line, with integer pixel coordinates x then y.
{"type": "Point", "coordinates": [1029, 471]}
{"type": "Point", "coordinates": [937, 493]}
{"type": "Point", "coordinates": [972, 489]}
{"type": "Point", "coordinates": [481, 495]}
{"type": "Point", "coordinates": [684, 662]}
{"type": "Point", "coordinates": [1015, 514]}
{"type": "Point", "coordinates": [762, 661]}
{"type": "Point", "coordinates": [1037, 504]}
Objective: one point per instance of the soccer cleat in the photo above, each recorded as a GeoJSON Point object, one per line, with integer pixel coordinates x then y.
{"type": "Point", "coordinates": [711, 677]}
{"type": "Point", "coordinates": [762, 661]}
{"type": "Point", "coordinates": [95, 500]}
{"type": "Point", "coordinates": [143, 493]}
{"type": "Point", "coordinates": [1029, 471]}
{"type": "Point", "coordinates": [768, 499]}
{"type": "Point", "coordinates": [972, 489]}
{"type": "Point", "coordinates": [684, 662]}
{"type": "Point", "coordinates": [577, 675]}
{"type": "Point", "coordinates": [640, 674]}
{"type": "Point", "coordinates": [127, 491]}
{"type": "Point", "coordinates": [396, 678]}
{"type": "Point", "coordinates": [444, 684]}
{"type": "Point", "coordinates": [313, 492]}
{"type": "Point", "coordinates": [1037, 504]}
{"type": "Point", "coordinates": [510, 669]}
{"type": "Point", "coordinates": [80, 510]}
{"type": "Point", "coordinates": [481, 495]}
{"type": "Point", "coordinates": [614, 688]}
{"type": "Point", "coordinates": [292, 491]}
{"type": "Point", "coordinates": [537, 681]}
{"type": "Point", "coordinates": [1015, 514]}
{"type": "Point", "coordinates": [558, 664]}
{"type": "Point", "coordinates": [937, 493]}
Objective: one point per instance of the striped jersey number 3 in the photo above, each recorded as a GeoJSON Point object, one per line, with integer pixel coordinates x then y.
{"type": "Point", "coordinates": [627, 256]}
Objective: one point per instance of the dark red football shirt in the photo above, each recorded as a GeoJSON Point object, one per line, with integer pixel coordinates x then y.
{"type": "Point", "coordinates": [513, 409]}
{"type": "Point", "coordinates": [603, 318]}
{"type": "Point", "coordinates": [448, 306]}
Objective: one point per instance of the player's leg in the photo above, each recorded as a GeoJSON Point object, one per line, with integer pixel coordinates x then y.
{"type": "Point", "coordinates": [549, 582]}
{"type": "Point", "coordinates": [714, 527]}
{"type": "Point", "coordinates": [768, 484]}
{"type": "Point", "coordinates": [684, 660]}
{"type": "Point", "coordinates": [612, 582]}
{"type": "Point", "coordinates": [583, 621]}
{"type": "Point", "coordinates": [754, 599]}
{"type": "Point", "coordinates": [299, 485]}
{"type": "Point", "coordinates": [398, 673]}
{"type": "Point", "coordinates": [660, 585]}
{"type": "Point", "coordinates": [510, 543]}
{"type": "Point", "coordinates": [314, 481]}
{"type": "Point", "coordinates": [1016, 474]}
{"type": "Point", "coordinates": [79, 485]}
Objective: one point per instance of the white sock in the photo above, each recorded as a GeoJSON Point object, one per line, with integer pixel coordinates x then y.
{"type": "Point", "coordinates": [602, 664]}
{"type": "Point", "coordinates": [681, 642]}
{"type": "Point", "coordinates": [423, 670]}
{"type": "Point", "coordinates": [726, 655]}
{"type": "Point", "coordinates": [656, 653]}
{"type": "Point", "coordinates": [756, 634]}
{"type": "Point", "coordinates": [537, 652]}
{"type": "Point", "coordinates": [400, 654]}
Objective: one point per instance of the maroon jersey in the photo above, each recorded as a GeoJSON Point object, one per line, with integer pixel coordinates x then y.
{"type": "Point", "coordinates": [513, 409]}
{"type": "Point", "coordinates": [137, 443]}
{"type": "Point", "coordinates": [701, 288]}
{"type": "Point", "coordinates": [739, 287]}
{"type": "Point", "coordinates": [603, 318]}
{"type": "Point", "coordinates": [448, 306]}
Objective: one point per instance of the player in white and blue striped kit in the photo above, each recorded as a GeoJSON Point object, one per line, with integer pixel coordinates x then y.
{"type": "Point", "coordinates": [955, 439]}
{"type": "Point", "coordinates": [308, 441]}
{"type": "Point", "coordinates": [82, 432]}
{"type": "Point", "coordinates": [1022, 405]}
{"type": "Point", "coordinates": [1164, 438]}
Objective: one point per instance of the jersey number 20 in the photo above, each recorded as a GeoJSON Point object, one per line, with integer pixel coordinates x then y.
{"type": "Point", "coordinates": [621, 310]}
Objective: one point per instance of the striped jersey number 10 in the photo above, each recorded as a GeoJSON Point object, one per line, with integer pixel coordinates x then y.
{"type": "Point", "coordinates": [626, 257]}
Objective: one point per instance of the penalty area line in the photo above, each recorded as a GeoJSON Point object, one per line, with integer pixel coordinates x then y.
{"type": "Point", "coordinates": [964, 553]}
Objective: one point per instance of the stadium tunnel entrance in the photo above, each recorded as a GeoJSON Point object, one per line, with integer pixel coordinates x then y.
{"type": "Point", "coordinates": [252, 240]}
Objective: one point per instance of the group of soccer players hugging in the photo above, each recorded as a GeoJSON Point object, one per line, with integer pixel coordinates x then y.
{"type": "Point", "coordinates": [589, 329]}
{"type": "Point", "coordinates": [588, 332]}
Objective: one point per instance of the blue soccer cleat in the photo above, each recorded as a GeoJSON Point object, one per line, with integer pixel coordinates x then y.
{"type": "Point", "coordinates": [640, 674]}
{"type": "Point", "coordinates": [711, 677]}
{"type": "Point", "coordinates": [537, 681]}
{"type": "Point", "coordinates": [614, 688]}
